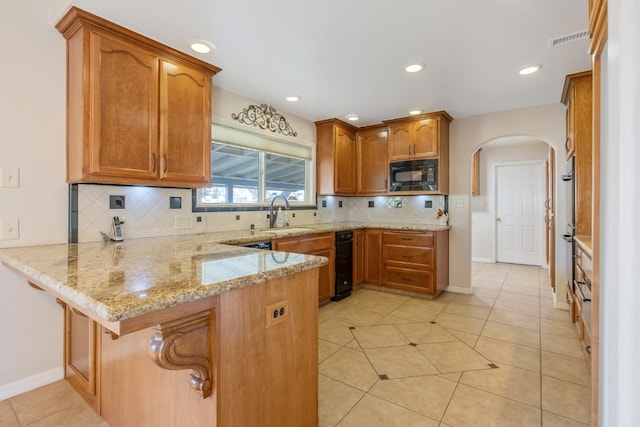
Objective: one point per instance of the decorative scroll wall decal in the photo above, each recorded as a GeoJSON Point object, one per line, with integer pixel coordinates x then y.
{"type": "Point", "coordinates": [265, 117]}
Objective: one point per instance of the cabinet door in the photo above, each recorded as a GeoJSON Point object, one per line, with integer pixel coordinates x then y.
{"type": "Point", "coordinates": [320, 245]}
{"type": "Point", "coordinates": [569, 144]}
{"type": "Point", "coordinates": [373, 257]}
{"type": "Point", "coordinates": [327, 279]}
{"type": "Point", "coordinates": [358, 257]}
{"type": "Point", "coordinates": [124, 110]}
{"type": "Point", "coordinates": [400, 141]}
{"type": "Point", "coordinates": [185, 125]}
{"type": "Point", "coordinates": [81, 355]}
{"type": "Point", "coordinates": [425, 138]}
{"type": "Point", "coordinates": [371, 160]}
{"type": "Point", "coordinates": [475, 173]}
{"type": "Point", "coordinates": [345, 161]}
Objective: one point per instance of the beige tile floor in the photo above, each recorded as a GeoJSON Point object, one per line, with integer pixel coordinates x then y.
{"type": "Point", "coordinates": [501, 357]}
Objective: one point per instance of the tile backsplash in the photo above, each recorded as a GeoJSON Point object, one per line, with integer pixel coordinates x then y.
{"type": "Point", "coordinates": [147, 212]}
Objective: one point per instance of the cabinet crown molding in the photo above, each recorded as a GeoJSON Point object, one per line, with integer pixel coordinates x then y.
{"type": "Point", "coordinates": [75, 19]}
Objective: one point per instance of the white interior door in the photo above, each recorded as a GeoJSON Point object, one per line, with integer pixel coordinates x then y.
{"type": "Point", "coordinates": [520, 213]}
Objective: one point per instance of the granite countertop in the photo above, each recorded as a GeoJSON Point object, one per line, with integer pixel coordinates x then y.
{"type": "Point", "coordinates": [114, 281]}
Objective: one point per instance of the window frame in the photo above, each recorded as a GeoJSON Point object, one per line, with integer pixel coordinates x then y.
{"type": "Point", "coordinates": [310, 201]}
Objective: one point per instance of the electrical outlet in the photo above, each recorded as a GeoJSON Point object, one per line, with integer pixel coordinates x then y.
{"type": "Point", "coordinates": [277, 313]}
{"type": "Point", "coordinates": [10, 229]}
{"type": "Point", "coordinates": [183, 222]}
{"type": "Point", "coordinates": [10, 176]}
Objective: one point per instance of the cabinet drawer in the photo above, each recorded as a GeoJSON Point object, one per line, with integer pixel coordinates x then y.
{"type": "Point", "coordinates": [408, 239]}
{"type": "Point", "coordinates": [304, 245]}
{"type": "Point", "coordinates": [419, 257]}
{"type": "Point", "coordinates": [408, 278]}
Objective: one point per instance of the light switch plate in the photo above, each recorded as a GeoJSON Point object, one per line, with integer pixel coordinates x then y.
{"type": "Point", "coordinates": [459, 203]}
{"type": "Point", "coordinates": [10, 176]}
{"type": "Point", "coordinates": [9, 229]}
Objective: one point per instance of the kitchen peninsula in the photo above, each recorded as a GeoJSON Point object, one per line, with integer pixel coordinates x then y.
{"type": "Point", "coordinates": [140, 314]}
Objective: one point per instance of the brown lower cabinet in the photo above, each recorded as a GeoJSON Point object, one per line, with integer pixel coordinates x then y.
{"type": "Point", "coordinates": [82, 355]}
{"type": "Point", "coordinates": [358, 257]}
{"type": "Point", "coordinates": [581, 295]}
{"type": "Point", "coordinates": [266, 373]}
{"type": "Point", "coordinates": [315, 244]}
{"type": "Point", "coordinates": [372, 257]}
{"type": "Point", "coordinates": [407, 260]}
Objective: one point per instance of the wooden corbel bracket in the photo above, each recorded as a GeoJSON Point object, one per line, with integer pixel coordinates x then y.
{"type": "Point", "coordinates": [186, 343]}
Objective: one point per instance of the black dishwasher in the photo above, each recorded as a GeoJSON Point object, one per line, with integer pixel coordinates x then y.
{"type": "Point", "coordinates": [344, 264]}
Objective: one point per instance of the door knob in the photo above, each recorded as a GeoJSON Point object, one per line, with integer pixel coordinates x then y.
{"type": "Point", "coordinates": [498, 219]}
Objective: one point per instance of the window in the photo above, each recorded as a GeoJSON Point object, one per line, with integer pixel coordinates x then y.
{"type": "Point", "coordinates": [249, 169]}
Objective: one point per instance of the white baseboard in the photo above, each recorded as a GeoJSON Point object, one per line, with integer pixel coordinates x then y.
{"type": "Point", "coordinates": [485, 260]}
{"type": "Point", "coordinates": [459, 290]}
{"type": "Point", "coordinates": [27, 384]}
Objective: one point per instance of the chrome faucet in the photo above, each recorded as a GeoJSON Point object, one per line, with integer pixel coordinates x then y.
{"type": "Point", "coordinates": [272, 215]}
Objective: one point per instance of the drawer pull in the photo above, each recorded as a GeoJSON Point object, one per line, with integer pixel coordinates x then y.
{"type": "Point", "coordinates": [407, 256]}
{"type": "Point", "coordinates": [407, 238]}
{"type": "Point", "coordinates": [578, 285]}
{"type": "Point", "coordinates": [406, 279]}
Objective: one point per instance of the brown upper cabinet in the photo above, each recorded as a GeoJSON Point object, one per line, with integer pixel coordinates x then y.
{"type": "Point", "coordinates": [138, 112]}
{"type": "Point", "coordinates": [418, 137]}
{"type": "Point", "coordinates": [336, 157]}
{"type": "Point", "coordinates": [355, 161]}
{"type": "Point", "coordinates": [475, 173]}
{"type": "Point", "coordinates": [371, 161]}
{"type": "Point", "coordinates": [577, 96]}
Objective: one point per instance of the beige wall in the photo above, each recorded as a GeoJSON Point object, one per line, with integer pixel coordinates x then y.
{"type": "Point", "coordinates": [32, 111]}
{"type": "Point", "coordinates": [545, 123]}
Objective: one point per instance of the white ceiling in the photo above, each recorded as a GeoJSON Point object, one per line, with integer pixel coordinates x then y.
{"type": "Point", "coordinates": [347, 56]}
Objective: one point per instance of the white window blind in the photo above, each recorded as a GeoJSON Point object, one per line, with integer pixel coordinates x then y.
{"type": "Point", "coordinates": [240, 138]}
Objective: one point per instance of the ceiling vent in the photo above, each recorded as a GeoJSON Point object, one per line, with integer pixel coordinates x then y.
{"type": "Point", "coordinates": [569, 38]}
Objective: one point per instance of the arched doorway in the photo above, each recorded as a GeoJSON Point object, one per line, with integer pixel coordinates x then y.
{"type": "Point", "coordinates": [515, 153]}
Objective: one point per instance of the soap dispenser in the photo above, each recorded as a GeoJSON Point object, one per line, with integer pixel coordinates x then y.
{"type": "Point", "coordinates": [279, 219]}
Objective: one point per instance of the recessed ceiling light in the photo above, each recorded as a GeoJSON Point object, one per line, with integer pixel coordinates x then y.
{"type": "Point", "coordinates": [352, 117]}
{"type": "Point", "coordinates": [413, 68]}
{"type": "Point", "coordinates": [201, 46]}
{"type": "Point", "coordinates": [293, 98]}
{"type": "Point", "coordinates": [415, 112]}
{"type": "Point", "coordinates": [530, 69]}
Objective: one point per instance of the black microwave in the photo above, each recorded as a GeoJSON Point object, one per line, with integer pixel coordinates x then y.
{"type": "Point", "coordinates": [414, 175]}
